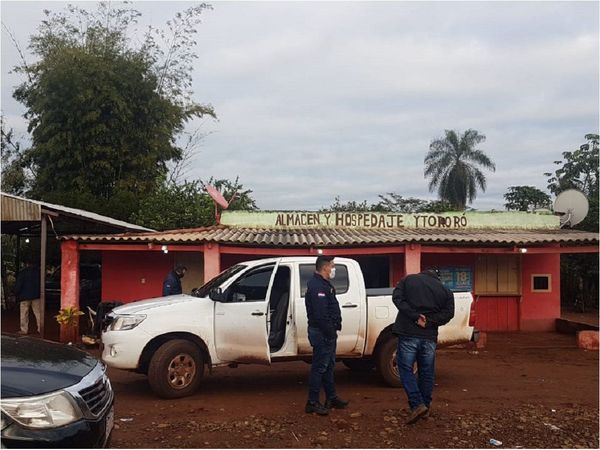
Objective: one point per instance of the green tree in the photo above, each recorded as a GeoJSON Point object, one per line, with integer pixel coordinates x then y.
{"type": "Point", "coordinates": [14, 178]}
{"type": "Point", "coordinates": [187, 205]}
{"type": "Point", "coordinates": [104, 113]}
{"type": "Point", "coordinates": [453, 166]}
{"type": "Point", "coordinates": [579, 170]}
{"type": "Point", "coordinates": [392, 202]}
{"type": "Point", "coordinates": [350, 206]}
{"type": "Point", "coordinates": [526, 198]}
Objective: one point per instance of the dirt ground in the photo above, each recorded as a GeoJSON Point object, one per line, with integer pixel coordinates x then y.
{"type": "Point", "coordinates": [526, 390]}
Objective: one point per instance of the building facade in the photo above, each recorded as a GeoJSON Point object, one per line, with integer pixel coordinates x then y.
{"type": "Point", "coordinates": [509, 261]}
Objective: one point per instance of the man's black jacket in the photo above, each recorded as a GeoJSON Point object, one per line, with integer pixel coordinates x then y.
{"type": "Point", "coordinates": [422, 293]}
{"type": "Point", "coordinates": [27, 286]}
{"type": "Point", "coordinates": [172, 284]}
{"type": "Point", "coordinates": [322, 307]}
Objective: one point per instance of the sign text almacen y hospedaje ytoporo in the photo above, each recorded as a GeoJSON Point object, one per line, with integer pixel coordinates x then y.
{"type": "Point", "coordinates": [450, 220]}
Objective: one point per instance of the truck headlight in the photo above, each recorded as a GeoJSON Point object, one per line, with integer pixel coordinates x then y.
{"type": "Point", "coordinates": [45, 411]}
{"type": "Point", "coordinates": [126, 322]}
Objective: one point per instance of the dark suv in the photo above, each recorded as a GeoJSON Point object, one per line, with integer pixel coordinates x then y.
{"type": "Point", "coordinates": [53, 395]}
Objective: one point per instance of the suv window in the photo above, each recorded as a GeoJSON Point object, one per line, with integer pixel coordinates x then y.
{"type": "Point", "coordinates": [217, 281]}
{"type": "Point", "coordinates": [252, 286]}
{"type": "Point", "coordinates": [340, 282]}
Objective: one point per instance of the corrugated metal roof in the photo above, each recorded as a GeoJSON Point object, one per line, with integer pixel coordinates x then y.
{"type": "Point", "coordinates": [329, 237]}
{"type": "Point", "coordinates": [18, 210]}
{"type": "Point", "coordinates": [24, 207]}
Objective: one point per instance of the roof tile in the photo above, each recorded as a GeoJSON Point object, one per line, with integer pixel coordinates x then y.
{"type": "Point", "coordinates": [330, 237]}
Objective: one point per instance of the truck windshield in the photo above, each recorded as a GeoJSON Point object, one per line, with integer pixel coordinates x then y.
{"type": "Point", "coordinates": [217, 281]}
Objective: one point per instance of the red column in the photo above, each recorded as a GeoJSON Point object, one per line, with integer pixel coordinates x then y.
{"type": "Point", "coordinates": [69, 285]}
{"type": "Point", "coordinates": [412, 258]}
{"type": "Point", "coordinates": [212, 261]}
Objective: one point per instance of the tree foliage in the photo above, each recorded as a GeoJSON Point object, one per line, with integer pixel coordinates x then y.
{"type": "Point", "coordinates": [187, 205]}
{"type": "Point", "coordinates": [526, 198]}
{"type": "Point", "coordinates": [352, 205]}
{"type": "Point", "coordinates": [579, 170]}
{"type": "Point", "coordinates": [14, 178]}
{"type": "Point", "coordinates": [390, 202]}
{"type": "Point", "coordinates": [453, 165]}
{"type": "Point", "coordinates": [104, 113]}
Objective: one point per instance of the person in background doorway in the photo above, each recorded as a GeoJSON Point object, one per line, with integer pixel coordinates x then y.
{"type": "Point", "coordinates": [172, 284]}
{"type": "Point", "coordinates": [27, 290]}
{"type": "Point", "coordinates": [424, 304]}
{"type": "Point", "coordinates": [324, 321]}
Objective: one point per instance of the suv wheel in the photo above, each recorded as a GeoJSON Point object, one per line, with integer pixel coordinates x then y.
{"type": "Point", "coordinates": [176, 369]}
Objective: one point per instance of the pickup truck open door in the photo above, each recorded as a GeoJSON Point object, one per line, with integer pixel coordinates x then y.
{"type": "Point", "coordinates": [241, 319]}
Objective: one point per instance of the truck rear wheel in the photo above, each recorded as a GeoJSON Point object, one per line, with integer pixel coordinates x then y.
{"type": "Point", "coordinates": [386, 364]}
{"type": "Point", "coordinates": [359, 365]}
{"type": "Point", "coordinates": [176, 369]}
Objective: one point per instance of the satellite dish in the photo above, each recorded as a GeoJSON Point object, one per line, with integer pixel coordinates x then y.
{"type": "Point", "coordinates": [572, 206]}
{"type": "Point", "coordinates": [217, 196]}
{"type": "Point", "coordinates": [219, 200]}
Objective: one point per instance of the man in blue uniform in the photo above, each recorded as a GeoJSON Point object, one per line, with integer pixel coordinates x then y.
{"type": "Point", "coordinates": [172, 284]}
{"type": "Point", "coordinates": [424, 304]}
{"type": "Point", "coordinates": [324, 321]}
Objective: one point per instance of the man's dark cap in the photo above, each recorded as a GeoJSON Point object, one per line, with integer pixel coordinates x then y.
{"type": "Point", "coordinates": [432, 272]}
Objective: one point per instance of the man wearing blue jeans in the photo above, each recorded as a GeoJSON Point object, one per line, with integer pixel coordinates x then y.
{"type": "Point", "coordinates": [324, 321]}
{"type": "Point", "coordinates": [424, 304]}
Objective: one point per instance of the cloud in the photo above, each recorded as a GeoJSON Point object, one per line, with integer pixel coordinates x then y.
{"type": "Point", "coordinates": [317, 100]}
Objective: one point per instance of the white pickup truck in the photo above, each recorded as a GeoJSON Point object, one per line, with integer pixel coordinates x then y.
{"type": "Point", "coordinates": [254, 312]}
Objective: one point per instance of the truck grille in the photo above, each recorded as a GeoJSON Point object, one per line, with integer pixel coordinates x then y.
{"type": "Point", "coordinates": [97, 396]}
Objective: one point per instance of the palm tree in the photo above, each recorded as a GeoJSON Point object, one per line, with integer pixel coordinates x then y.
{"type": "Point", "coordinates": [453, 164]}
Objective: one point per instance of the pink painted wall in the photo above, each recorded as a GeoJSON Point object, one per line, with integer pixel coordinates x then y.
{"type": "Point", "coordinates": [539, 310]}
{"type": "Point", "coordinates": [445, 259]}
{"type": "Point", "coordinates": [228, 259]}
{"type": "Point", "coordinates": [130, 276]}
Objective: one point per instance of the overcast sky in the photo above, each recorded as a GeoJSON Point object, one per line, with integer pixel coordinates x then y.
{"type": "Point", "coordinates": [316, 99]}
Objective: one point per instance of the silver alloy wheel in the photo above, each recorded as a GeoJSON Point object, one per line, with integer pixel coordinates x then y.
{"type": "Point", "coordinates": [394, 365]}
{"type": "Point", "coordinates": [182, 370]}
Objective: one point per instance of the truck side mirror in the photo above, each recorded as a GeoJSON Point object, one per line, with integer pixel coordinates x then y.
{"type": "Point", "coordinates": [216, 294]}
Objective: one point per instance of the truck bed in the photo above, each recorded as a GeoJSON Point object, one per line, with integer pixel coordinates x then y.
{"type": "Point", "coordinates": [382, 313]}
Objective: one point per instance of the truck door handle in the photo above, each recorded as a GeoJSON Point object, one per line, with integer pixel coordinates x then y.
{"type": "Point", "coordinates": [256, 313]}
{"type": "Point", "coordinates": [350, 305]}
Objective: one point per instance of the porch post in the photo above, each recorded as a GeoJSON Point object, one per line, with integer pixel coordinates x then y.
{"type": "Point", "coordinates": [69, 285]}
{"type": "Point", "coordinates": [395, 268]}
{"type": "Point", "coordinates": [212, 261]}
{"type": "Point", "coordinates": [412, 258]}
{"type": "Point", "coordinates": [43, 238]}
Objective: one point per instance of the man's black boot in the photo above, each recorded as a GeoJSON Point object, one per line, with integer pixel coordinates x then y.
{"type": "Point", "coordinates": [416, 414]}
{"type": "Point", "coordinates": [336, 403]}
{"type": "Point", "coordinates": [316, 407]}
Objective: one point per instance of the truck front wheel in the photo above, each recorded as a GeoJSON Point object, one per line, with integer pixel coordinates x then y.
{"type": "Point", "coordinates": [176, 369]}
